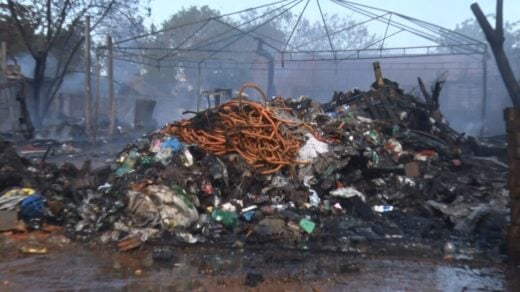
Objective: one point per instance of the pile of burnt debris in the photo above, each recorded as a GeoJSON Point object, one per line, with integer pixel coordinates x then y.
{"type": "Point", "coordinates": [69, 140]}
{"type": "Point", "coordinates": [371, 166]}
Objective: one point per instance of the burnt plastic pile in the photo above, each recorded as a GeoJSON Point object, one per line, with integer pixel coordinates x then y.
{"type": "Point", "coordinates": [373, 166]}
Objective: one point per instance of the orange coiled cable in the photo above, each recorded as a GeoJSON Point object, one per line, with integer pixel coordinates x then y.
{"type": "Point", "coordinates": [265, 141]}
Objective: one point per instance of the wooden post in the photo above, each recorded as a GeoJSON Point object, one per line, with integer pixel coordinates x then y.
{"type": "Point", "coordinates": [3, 53]}
{"type": "Point", "coordinates": [111, 101]}
{"type": "Point", "coordinates": [96, 98]}
{"type": "Point", "coordinates": [378, 74]}
{"type": "Point", "coordinates": [495, 38]}
{"type": "Point", "coordinates": [512, 119]}
{"type": "Point", "coordinates": [5, 93]}
{"type": "Point", "coordinates": [86, 103]}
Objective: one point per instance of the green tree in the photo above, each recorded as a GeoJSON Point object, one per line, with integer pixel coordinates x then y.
{"type": "Point", "coordinates": [53, 28]}
{"type": "Point", "coordinates": [9, 32]}
{"type": "Point", "coordinates": [199, 34]}
{"type": "Point", "coordinates": [188, 37]}
{"type": "Point", "coordinates": [471, 28]}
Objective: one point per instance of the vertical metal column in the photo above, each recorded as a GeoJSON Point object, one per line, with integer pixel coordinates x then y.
{"type": "Point", "coordinates": [111, 101]}
{"type": "Point", "coordinates": [96, 97]}
{"type": "Point", "coordinates": [198, 86]}
{"type": "Point", "coordinates": [86, 63]}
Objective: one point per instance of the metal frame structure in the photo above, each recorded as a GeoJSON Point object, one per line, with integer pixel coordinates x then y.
{"type": "Point", "coordinates": [218, 49]}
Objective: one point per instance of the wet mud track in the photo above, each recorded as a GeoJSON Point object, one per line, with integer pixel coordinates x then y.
{"type": "Point", "coordinates": [76, 268]}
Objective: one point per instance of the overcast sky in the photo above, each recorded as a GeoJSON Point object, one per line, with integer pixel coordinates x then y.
{"type": "Point", "coordinates": [445, 13]}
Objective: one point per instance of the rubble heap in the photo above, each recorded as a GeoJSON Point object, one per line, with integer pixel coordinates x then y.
{"type": "Point", "coordinates": [367, 166]}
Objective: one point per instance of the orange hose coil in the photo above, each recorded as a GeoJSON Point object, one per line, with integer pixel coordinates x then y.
{"type": "Point", "coordinates": [265, 141]}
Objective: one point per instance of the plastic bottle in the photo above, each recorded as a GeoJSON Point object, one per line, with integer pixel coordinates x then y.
{"type": "Point", "coordinates": [226, 218]}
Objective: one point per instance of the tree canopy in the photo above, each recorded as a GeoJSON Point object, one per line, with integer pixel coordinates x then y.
{"type": "Point", "coordinates": [47, 29]}
{"type": "Point", "coordinates": [54, 29]}
{"type": "Point", "coordinates": [471, 28]}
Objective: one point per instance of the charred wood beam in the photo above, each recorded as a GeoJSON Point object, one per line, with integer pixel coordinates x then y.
{"type": "Point", "coordinates": [425, 92]}
{"type": "Point", "coordinates": [432, 99]}
{"type": "Point", "coordinates": [436, 91]}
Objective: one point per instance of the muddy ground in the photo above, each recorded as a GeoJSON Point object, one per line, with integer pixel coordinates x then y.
{"type": "Point", "coordinates": [70, 266]}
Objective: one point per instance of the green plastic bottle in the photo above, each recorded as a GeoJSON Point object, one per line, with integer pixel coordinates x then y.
{"type": "Point", "coordinates": [307, 225]}
{"type": "Point", "coordinates": [226, 218]}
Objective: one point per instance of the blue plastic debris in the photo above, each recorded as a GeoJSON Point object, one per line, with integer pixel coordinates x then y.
{"type": "Point", "coordinates": [32, 207]}
{"type": "Point", "coordinates": [172, 143]}
{"type": "Point", "coordinates": [248, 216]}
